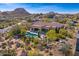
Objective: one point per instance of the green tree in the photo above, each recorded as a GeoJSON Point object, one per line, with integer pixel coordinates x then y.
{"type": "Point", "coordinates": [62, 33]}
{"type": "Point", "coordinates": [65, 33]}
{"type": "Point", "coordinates": [51, 34]}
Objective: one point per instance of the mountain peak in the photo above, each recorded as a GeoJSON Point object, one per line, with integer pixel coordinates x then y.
{"type": "Point", "coordinates": [18, 12]}
{"type": "Point", "coordinates": [20, 9]}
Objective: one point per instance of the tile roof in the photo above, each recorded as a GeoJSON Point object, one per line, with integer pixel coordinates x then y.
{"type": "Point", "coordinates": [41, 24]}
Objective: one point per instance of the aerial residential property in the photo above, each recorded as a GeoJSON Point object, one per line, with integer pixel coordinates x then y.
{"type": "Point", "coordinates": [33, 29]}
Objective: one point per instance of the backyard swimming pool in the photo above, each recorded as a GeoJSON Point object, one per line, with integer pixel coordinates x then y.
{"type": "Point", "coordinates": [31, 34]}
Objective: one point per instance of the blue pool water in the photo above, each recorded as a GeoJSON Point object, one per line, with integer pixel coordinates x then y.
{"type": "Point", "coordinates": [31, 34]}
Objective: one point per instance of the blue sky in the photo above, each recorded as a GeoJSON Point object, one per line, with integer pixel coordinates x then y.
{"type": "Point", "coordinates": [42, 7]}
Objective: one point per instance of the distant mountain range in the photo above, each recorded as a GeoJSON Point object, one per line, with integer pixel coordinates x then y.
{"type": "Point", "coordinates": [21, 13]}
